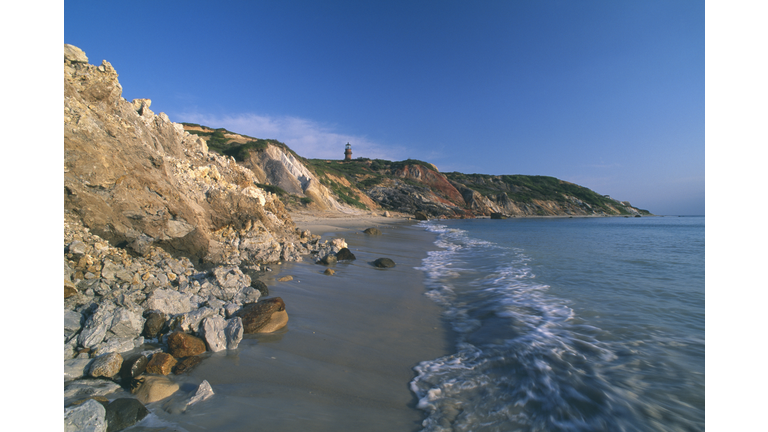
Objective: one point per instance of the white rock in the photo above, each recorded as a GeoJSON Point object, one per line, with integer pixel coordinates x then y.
{"type": "Point", "coordinates": [126, 323]}
{"type": "Point", "coordinates": [193, 319]}
{"type": "Point", "coordinates": [75, 368]}
{"type": "Point", "coordinates": [88, 417]}
{"type": "Point", "coordinates": [212, 330]}
{"type": "Point", "coordinates": [87, 387]}
{"type": "Point", "coordinates": [168, 301]}
{"type": "Point", "coordinates": [96, 326]}
{"type": "Point", "coordinates": [234, 332]}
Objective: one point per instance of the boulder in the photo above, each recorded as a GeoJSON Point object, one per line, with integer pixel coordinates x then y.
{"type": "Point", "coordinates": [261, 286]}
{"type": "Point", "coordinates": [154, 324]}
{"type": "Point", "coordinates": [184, 345]}
{"type": "Point", "coordinates": [152, 388]}
{"type": "Point", "coordinates": [203, 392]}
{"type": "Point", "coordinates": [96, 326]}
{"type": "Point", "coordinates": [328, 260]}
{"type": "Point", "coordinates": [187, 364]}
{"type": "Point", "coordinates": [87, 417]}
{"type": "Point", "coordinates": [278, 320]}
{"type": "Point", "coordinates": [212, 331]}
{"type": "Point", "coordinates": [373, 231]}
{"type": "Point", "coordinates": [169, 301]}
{"type": "Point", "coordinates": [498, 216]}
{"type": "Point", "coordinates": [76, 368]}
{"type": "Point", "coordinates": [88, 387]}
{"type": "Point", "coordinates": [420, 215]}
{"type": "Point", "coordinates": [161, 364]}
{"type": "Point", "coordinates": [383, 263]}
{"type": "Point", "coordinates": [127, 323]}
{"type": "Point", "coordinates": [133, 367]}
{"type": "Point", "coordinates": [72, 321]}
{"type": "Point", "coordinates": [106, 365]}
{"type": "Point", "coordinates": [345, 255]}
{"type": "Point", "coordinates": [257, 315]}
{"type": "Point", "coordinates": [234, 332]}
{"type": "Point", "coordinates": [124, 412]}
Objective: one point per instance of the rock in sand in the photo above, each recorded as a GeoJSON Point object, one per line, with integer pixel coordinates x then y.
{"type": "Point", "coordinates": [383, 263]}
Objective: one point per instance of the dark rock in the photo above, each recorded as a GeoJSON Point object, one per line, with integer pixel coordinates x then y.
{"type": "Point", "coordinates": [123, 413]}
{"type": "Point", "coordinates": [345, 255]}
{"type": "Point", "coordinates": [261, 286]}
{"type": "Point", "coordinates": [133, 367]}
{"type": "Point", "coordinates": [383, 263]}
{"type": "Point", "coordinates": [187, 364]}
{"type": "Point", "coordinates": [329, 259]}
{"type": "Point", "coordinates": [161, 364]}
{"type": "Point", "coordinates": [257, 315]}
{"type": "Point", "coordinates": [373, 231]}
{"type": "Point", "coordinates": [498, 216]}
{"type": "Point", "coordinates": [154, 324]}
{"type": "Point", "coordinates": [185, 345]}
{"type": "Point", "coordinates": [420, 215]}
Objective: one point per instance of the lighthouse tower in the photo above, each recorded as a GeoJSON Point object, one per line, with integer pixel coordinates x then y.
{"type": "Point", "coordinates": [348, 153]}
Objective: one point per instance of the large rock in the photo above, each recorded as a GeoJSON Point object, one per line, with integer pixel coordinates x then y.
{"type": "Point", "coordinates": [96, 326]}
{"type": "Point", "coordinates": [203, 392]}
{"type": "Point", "coordinates": [107, 365]}
{"type": "Point", "coordinates": [123, 413]}
{"type": "Point", "coordinates": [76, 368]}
{"type": "Point", "coordinates": [345, 255]}
{"type": "Point", "coordinates": [133, 367]}
{"type": "Point", "coordinates": [212, 331]}
{"type": "Point", "coordinates": [88, 387]}
{"type": "Point", "coordinates": [234, 332]}
{"type": "Point", "coordinates": [161, 364]}
{"type": "Point", "coordinates": [152, 388]}
{"type": "Point", "coordinates": [383, 263]}
{"type": "Point", "coordinates": [255, 316]}
{"type": "Point", "coordinates": [169, 301]}
{"type": "Point", "coordinates": [87, 417]}
{"type": "Point", "coordinates": [184, 345]}
{"type": "Point", "coordinates": [154, 324]}
{"type": "Point", "coordinates": [186, 364]}
{"type": "Point", "coordinates": [74, 54]}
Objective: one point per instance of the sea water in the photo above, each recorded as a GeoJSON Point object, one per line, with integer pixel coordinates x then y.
{"type": "Point", "coordinates": [582, 324]}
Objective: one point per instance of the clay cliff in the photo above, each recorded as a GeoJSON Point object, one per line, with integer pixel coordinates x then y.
{"type": "Point", "coordinates": [137, 179]}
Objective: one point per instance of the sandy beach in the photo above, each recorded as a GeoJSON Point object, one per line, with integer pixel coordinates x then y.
{"type": "Point", "coordinates": [345, 359]}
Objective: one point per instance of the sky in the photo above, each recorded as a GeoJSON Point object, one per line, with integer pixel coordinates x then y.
{"type": "Point", "coordinates": [606, 94]}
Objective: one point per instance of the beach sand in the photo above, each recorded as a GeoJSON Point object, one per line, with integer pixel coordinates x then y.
{"type": "Point", "coordinates": [345, 359]}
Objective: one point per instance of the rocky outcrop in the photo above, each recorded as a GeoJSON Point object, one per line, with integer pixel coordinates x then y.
{"type": "Point", "coordinates": [136, 178]}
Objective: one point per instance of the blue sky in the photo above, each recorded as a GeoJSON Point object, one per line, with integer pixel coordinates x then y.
{"type": "Point", "coordinates": [605, 94]}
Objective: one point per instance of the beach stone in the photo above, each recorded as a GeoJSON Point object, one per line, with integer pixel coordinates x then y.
{"type": "Point", "coordinates": [72, 321]}
{"type": "Point", "coordinates": [257, 315]}
{"type": "Point", "coordinates": [87, 417]}
{"type": "Point", "coordinates": [384, 263]}
{"type": "Point", "coordinates": [345, 255]}
{"type": "Point", "coordinates": [96, 326]}
{"type": "Point", "coordinates": [203, 392]}
{"type": "Point", "coordinates": [187, 364]}
{"type": "Point", "coordinates": [169, 301]}
{"type": "Point", "coordinates": [212, 331]}
{"type": "Point", "coordinates": [76, 368]}
{"type": "Point", "coordinates": [106, 365]}
{"type": "Point", "coordinates": [69, 289]}
{"type": "Point", "coordinates": [285, 278]}
{"type": "Point", "coordinates": [154, 324]}
{"type": "Point", "coordinates": [248, 295]}
{"type": "Point", "coordinates": [234, 332]}
{"type": "Point", "coordinates": [184, 345]}
{"type": "Point", "coordinates": [261, 286]}
{"type": "Point", "coordinates": [133, 367]}
{"type": "Point", "coordinates": [231, 309]}
{"type": "Point", "coordinates": [192, 320]}
{"type": "Point", "coordinates": [127, 323]}
{"type": "Point", "coordinates": [88, 387]}
{"type": "Point", "coordinates": [329, 272]}
{"type": "Point", "coordinates": [373, 231]}
{"type": "Point", "coordinates": [123, 413]}
{"type": "Point", "coordinates": [113, 345]}
{"type": "Point", "coordinates": [329, 259]}
{"type": "Point", "coordinates": [277, 321]}
{"type": "Point", "coordinates": [152, 388]}
{"type": "Point", "coordinates": [77, 248]}
{"type": "Point", "coordinates": [161, 364]}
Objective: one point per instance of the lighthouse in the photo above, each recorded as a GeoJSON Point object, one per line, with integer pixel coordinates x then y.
{"type": "Point", "coordinates": [348, 153]}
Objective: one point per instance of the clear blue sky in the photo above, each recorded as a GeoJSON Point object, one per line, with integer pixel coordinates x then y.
{"type": "Point", "coordinates": [605, 94]}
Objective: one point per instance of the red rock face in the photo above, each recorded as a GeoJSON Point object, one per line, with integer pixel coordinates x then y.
{"type": "Point", "coordinates": [433, 179]}
{"type": "Point", "coordinates": [184, 345]}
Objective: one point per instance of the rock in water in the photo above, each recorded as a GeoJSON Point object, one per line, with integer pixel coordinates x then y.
{"type": "Point", "coordinates": [234, 332]}
{"type": "Point", "coordinates": [152, 388]}
{"type": "Point", "coordinates": [212, 330]}
{"type": "Point", "coordinates": [345, 255]}
{"type": "Point", "coordinates": [373, 231]}
{"type": "Point", "coordinates": [124, 412]}
{"type": "Point", "coordinates": [261, 286]}
{"type": "Point", "coordinates": [133, 367]}
{"type": "Point", "coordinates": [90, 417]}
{"type": "Point", "coordinates": [285, 278]}
{"type": "Point", "coordinates": [203, 392]}
{"type": "Point", "coordinates": [187, 365]}
{"type": "Point", "coordinates": [383, 263]}
{"type": "Point", "coordinates": [161, 363]}
{"type": "Point", "coordinates": [329, 272]}
{"type": "Point", "coordinates": [257, 315]}
{"type": "Point", "coordinates": [185, 345]}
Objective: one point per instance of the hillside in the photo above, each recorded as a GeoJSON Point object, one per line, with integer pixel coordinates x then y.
{"type": "Point", "coordinates": [408, 186]}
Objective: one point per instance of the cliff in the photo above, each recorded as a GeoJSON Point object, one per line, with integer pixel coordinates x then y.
{"type": "Point", "coordinates": [137, 179]}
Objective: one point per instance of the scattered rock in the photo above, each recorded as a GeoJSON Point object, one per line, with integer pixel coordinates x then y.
{"type": "Point", "coordinates": [161, 364]}
{"type": "Point", "coordinates": [234, 332]}
{"type": "Point", "coordinates": [76, 368]}
{"type": "Point", "coordinates": [187, 364]}
{"type": "Point", "coordinates": [184, 345]}
{"type": "Point", "coordinates": [154, 324]}
{"type": "Point", "coordinates": [373, 231]}
{"type": "Point", "coordinates": [203, 392]}
{"type": "Point", "coordinates": [257, 315]}
{"type": "Point", "coordinates": [261, 286]}
{"type": "Point", "coordinates": [212, 331]}
{"type": "Point", "coordinates": [90, 417]}
{"type": "Point", "coordinates": [152, 388]}
{"type": "Point", "coordinates": [285, 278]}
{"type": "Point", "coordinates": [133, 367]}
{"type": "Point", "coordinates": [106, 365]}
{"type": "Point", "coordinates": [498, 216]}
{"type": "Point", "coordinates": [87, 387]}
{"type": "Point", "coordinates": [123, 413]}
{"type": "Point", "coordinates": [383, 263]}
{"type": "Point", "coordinates": [329, 272]}
{"type": "Point", "coordinates": [169, 301]}
{"type": "Point", "coordinates": [345, 255]}
{"type": "Point", "coordinates": [328, 260]}
{"type": "Point", "coordinates": [69, 289]}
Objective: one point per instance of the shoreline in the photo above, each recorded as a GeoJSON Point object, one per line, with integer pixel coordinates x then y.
{"type": "Point", "coordinates": [345, 360]}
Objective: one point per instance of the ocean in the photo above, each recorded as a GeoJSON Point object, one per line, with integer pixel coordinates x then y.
{"type": "Point", "coordinates": [567, 324]}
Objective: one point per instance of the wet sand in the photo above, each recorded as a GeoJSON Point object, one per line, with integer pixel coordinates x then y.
{"type": "Point", "coordinates": [345, 359]}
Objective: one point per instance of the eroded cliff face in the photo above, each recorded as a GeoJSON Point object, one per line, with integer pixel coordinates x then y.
{"type": "Point", "coordinates": [136, 178]}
